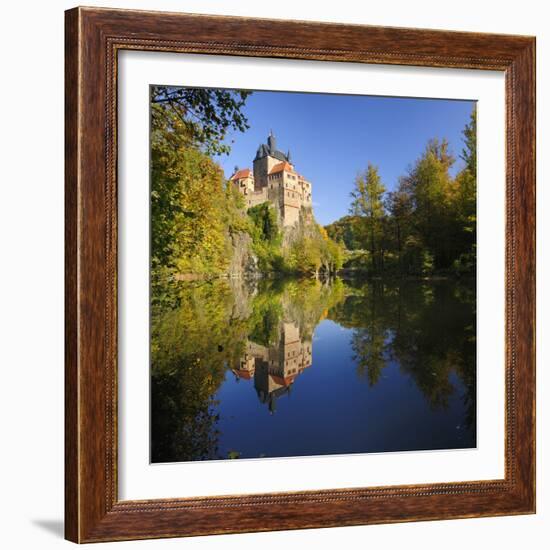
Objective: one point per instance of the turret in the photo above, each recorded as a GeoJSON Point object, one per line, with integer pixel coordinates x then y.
{"type": "Point", "coordinates": [271, 143]}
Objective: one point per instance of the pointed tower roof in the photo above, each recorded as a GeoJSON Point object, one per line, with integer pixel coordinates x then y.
{"type": "Point", "coordinates": [270, 149]}
{"type": "Point", "coordinates": [271, 142]}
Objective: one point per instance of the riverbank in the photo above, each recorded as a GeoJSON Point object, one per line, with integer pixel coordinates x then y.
{"type": "Point", "coordinates": [346, 274]}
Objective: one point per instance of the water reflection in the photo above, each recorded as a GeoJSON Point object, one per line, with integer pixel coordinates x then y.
{"type": "Point", "coordinates": [300, 367]}
{"type": "Point", "coordinates": [274, 368]}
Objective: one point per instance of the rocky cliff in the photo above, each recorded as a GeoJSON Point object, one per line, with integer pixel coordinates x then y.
{"type": "Point", "coordinates": [244, 263]}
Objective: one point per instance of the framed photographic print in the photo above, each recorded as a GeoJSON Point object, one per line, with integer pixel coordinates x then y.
{"type": "Point", "coordinates": [300, 275]}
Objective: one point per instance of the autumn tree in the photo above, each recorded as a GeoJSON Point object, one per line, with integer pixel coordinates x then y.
{"type": "Point", "coordinates": [192, 207]}
{"type": "Point", "coordinates": [429, 181]}
{"type": "Point", "coordinates": [464, 200]}
{"type": "Point", "coordinates": [426, 224]}
{"type": "Point", "coordinates": [367, 203]}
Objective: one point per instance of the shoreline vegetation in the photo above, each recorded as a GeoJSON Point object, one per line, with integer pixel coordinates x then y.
{"type": "Point", "coordinates": [201, 230]}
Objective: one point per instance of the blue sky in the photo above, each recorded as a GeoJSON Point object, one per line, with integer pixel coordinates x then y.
{"type": "Point", "coordinates": [333, 137]}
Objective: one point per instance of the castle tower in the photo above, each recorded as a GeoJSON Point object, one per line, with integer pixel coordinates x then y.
{"type": "Point", "coordinates": [267, 156]}
{"type": "Point", "coordinates": [275, 180]}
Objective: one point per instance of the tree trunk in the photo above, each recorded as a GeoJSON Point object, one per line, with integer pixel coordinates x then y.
{"type": "Point", "coordinates": [399, 260]}
{"type": "Point", "coordinates": [372, 249]}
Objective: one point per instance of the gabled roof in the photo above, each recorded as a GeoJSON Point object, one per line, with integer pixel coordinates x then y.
{"type": "Point", "coordinates": [282, 167]}
{"type": "Point", "coordinates": [240, 174]}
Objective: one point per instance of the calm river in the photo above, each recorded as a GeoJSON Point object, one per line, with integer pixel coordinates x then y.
{"type": "Point", "coordinates": [300, 367]}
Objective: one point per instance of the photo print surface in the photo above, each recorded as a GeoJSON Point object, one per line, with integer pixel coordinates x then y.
{"type": "Point", "coordinates": [312, 274]}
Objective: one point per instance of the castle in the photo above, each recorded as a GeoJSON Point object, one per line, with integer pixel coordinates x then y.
{"type": "Point", "coordinates": [275, 180]}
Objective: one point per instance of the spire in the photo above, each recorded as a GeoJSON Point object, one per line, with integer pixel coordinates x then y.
{"type": "Point", "coordinates": [288, 156]}
{"type": "Point", "coordinates": [271, 143]}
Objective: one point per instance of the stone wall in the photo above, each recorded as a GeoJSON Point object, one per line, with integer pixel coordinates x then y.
{"type": "Point", "coordinates": [256, 197]}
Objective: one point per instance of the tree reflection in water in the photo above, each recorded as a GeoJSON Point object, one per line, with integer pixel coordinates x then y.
{"type": "Point", "coordinates": [207, 335]}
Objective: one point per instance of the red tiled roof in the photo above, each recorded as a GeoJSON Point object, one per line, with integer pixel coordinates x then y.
{"type": "Point", "coordinates": [283, 381]}
{"type": "Point", "coordinates": [240, 174]}
{"type": "Point", "coordinates": [281, 167]}
{"type": "Point", "coordinates": [242, 374]}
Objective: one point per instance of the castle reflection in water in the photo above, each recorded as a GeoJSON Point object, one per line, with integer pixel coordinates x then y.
{"type": "Point", "coordinates": [396, 361]}
{"type": "Point", "coordinates": [274, 368]}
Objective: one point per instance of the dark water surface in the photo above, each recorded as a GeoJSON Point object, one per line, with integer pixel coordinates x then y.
{"type": "Point", "coordinates": [300, 367]}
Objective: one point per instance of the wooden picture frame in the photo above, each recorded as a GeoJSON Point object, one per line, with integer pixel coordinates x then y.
{"type": "Point", "coordinates": [93, 511]}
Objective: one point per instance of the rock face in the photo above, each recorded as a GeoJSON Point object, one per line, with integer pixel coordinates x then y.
{"type": "Point", "coordinates": [304, 227]}
{"type": "Point", "coordinates": [244, 263]}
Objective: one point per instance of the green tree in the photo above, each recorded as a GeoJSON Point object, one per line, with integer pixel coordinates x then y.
{"type": "Point", "coordinates": [431, 186]}
{"type": "Point", "coordinates": [346, 230]}
{"type": "Point", "coordinates": [399, 204]}
{"type": "Point", "coordinates": [305, 256]}
{"type": "Point", "coordinates": [367, 203]}
{"type": "Point", "coordinates": [464, 201]}
{"type": "Point", "coordinates": [207, 114]}
{"type": "Point", "coordinates": [426, 225]}
{"type": "Point", "coordinates": [266, 237]}
{"type": "Point", "coordinates": [469, 153]}
{"type": "Point", "coordinates": [332, 252]}
{"type": "Point", "coordinates": [265, 222]}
